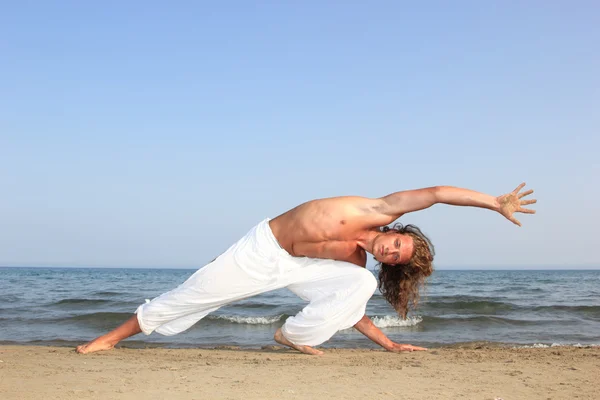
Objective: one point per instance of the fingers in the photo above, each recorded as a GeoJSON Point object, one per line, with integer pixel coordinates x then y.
{"type": "Point", "coordinates": [526, 202]}
{"type": "Point", "coordinates": [400, 348]}
{"type": "Point", "coordinates": [519, 188]}
{"type": "Point", "coordinates": [526, 211]}
{"type": "Point", "coordinates": [527, 193]}
{"type": "Point", "coordinates": [515, 221]}
{"type": "Point", "coordinates": [409, 347]}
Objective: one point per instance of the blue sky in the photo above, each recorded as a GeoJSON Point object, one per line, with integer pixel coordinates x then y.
{"type": "Point", "coordinates": [148, 134]}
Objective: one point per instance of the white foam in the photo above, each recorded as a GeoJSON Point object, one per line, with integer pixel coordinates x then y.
{"type": "Point", "coordinates": [547, 346]}
{"type": "Point", "coordinates": [380, 322]}
{"type": "Point", "coordinates": [388, 321]}
{"type": "Point", "coordinates": [250, 320]}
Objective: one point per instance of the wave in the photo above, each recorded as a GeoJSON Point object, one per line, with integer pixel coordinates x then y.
{"type": "Point", "coordinates": [252, 304]}
{"type": "Point", "coordinates": [482, 320]}
{"type": "Point", "coordinates": [491, 307]}
{"type": "Point", "coordinates": [546, 346]}
{"type": "Point", "coordinates": [392, 321]}
{"type": "Point", "coordinates": [112, 319]}
{"type": "Point", "coordinates": [108, 293]}
{"type": "Point", "coordinates": [100, 316]}
{"type": "Point", "coordinates": [81, 302]}
{"type": "Point", "coordinates": [385, 321]}
{"type": "Point", "coordinates": [478, 313]}
{"type": "Point", "coordinates": [267, 320]}
{"type": "Point", "coordinates": [459, 298]}
{"type": "Point", "coordinates": [108, 319]}
{"type": "Point", "coordinates": [479, 306]}
{"type": "Point", "coordinates": [522, 290]}
{"type": "Point", "coordinates": [588, 310]}
{"type": "Point", "coordinates": [388, 321]}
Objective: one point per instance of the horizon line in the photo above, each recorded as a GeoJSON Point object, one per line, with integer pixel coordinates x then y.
{"type": "Point", "coordinates": [445, 268]}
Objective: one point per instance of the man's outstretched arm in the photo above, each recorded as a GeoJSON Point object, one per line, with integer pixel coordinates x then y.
{"type": "Point", "coordinates": [396, 204]}
{"type": "Point", "coordinates": [368, 328]}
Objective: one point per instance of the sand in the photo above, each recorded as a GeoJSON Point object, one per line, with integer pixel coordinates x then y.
{"type": "Point", "coordinates": [30, 372]}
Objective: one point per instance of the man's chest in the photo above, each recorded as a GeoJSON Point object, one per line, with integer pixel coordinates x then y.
{"type": "Point", "coordinates": [341, 250]}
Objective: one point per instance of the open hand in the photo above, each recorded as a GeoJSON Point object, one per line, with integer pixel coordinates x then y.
{"type": "Point", "coordinates": [399, 348]}
{"type": "Point", "coordinates": [511, 203]}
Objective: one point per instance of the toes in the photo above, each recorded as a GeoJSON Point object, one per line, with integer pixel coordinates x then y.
{"type": "Point", "coordinates": [309, 350]}
{"type": "Point", "coordinates": [317, 352]}
{"type": "Point", "coordinates": [279, 338]}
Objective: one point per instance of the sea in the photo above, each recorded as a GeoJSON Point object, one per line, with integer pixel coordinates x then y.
{"type": "Point", "coordinates": [522, 308]}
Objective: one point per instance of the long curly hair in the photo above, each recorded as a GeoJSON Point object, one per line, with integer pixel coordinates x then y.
{"type": "Point", "coordinates": [399, 284]}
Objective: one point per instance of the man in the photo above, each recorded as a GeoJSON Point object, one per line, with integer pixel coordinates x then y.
{"type": "Point", "coordinates": [318, 251]}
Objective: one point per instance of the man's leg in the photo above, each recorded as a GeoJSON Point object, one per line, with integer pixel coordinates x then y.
{"type": "Point", "coordinates": [173, 312]}
{"type": "Point", "coordinates": [338, 293]}
{"type": "Point", "coordinates": [234, 275]}
{"type": "Point", "coordinates": [106, 342]}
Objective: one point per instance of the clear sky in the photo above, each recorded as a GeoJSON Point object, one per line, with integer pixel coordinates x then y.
{"type": "Point", "coordinates": [156, 134]}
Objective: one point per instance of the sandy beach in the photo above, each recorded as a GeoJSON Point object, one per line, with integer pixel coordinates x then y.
{"type": "Point", "coordinates": [474, 372]}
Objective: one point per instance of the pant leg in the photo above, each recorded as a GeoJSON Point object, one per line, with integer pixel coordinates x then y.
{"type": "Point", "coordinates": [244, 270]}
{"type": "Point", "coordinates": [338, 293]}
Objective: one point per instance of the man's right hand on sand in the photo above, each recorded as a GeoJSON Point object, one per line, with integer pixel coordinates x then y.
{"type": "Point", "coordinates": [400, 348]}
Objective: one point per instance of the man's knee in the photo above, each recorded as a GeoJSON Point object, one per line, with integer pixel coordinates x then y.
{"type": "Point", "coordinates": [368, 283]}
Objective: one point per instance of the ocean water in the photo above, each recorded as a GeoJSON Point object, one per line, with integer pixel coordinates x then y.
{"type": "Point", "coordinates": [67, 306]}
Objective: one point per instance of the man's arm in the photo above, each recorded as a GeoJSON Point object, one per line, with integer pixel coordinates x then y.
{"type": "Point", "coordinates": [396, 204]}
{"type": "Point", "coordinates": [414, 200]}
{"type": "Point", "coordinates": [368, 328]}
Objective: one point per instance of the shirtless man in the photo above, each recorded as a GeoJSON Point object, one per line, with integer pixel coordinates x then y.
{"type": "Point", "coordinates": [318, 251]}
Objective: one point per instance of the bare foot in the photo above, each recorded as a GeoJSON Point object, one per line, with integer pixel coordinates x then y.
{"type": "Point", "coordinates": [106, 342]}
{"type": "Point", "coordinates": [279, 338]}
{"type": "Point", "coordinates": [98, 344]}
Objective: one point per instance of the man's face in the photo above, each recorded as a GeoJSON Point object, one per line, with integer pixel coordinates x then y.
{"type": "Point", "coordinates": [393, 248]}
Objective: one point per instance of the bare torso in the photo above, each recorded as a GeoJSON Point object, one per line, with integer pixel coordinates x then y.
{"type": "Point", "coordinates": [326, 228]}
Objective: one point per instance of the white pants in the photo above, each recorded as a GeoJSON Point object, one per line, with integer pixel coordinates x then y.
{"type": "Point", "coordinates": [338, 291]}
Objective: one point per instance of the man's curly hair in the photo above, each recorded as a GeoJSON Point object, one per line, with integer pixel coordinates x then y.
{"type": "Point", "coordinates": [400, 283]}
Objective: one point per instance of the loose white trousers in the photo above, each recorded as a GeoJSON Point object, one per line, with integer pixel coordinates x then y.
{"type": "Point", "coordinates": [338, 291]}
